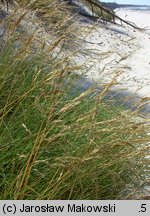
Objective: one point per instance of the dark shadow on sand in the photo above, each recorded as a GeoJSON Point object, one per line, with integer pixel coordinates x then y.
{"type": "Point", "coordinates": [117, 97]}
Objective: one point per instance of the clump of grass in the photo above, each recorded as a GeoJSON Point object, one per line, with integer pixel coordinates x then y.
{"type": "Point", "coordinates": [58, 145]}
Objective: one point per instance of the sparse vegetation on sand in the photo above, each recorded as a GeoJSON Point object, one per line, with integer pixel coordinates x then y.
{"type": "Point", "coordinates": [55, 144]}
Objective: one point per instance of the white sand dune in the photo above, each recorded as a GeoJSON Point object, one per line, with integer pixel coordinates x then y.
{"type": "Point", "coordinates": [140, 61]}
{"type": "Point", "coordinates": [140, 17]}
{"type": "Point", "coordinates": [117, 47]}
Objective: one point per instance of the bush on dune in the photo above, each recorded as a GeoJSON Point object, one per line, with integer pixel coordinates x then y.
{"type": "Point", "coordinates": [55, 145]}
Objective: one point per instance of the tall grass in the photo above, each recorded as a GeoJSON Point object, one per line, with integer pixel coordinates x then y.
{"type": "Point", "coordinates": [55, 144]}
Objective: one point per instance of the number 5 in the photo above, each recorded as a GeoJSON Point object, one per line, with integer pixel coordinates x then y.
{"type": "Point", "coordinates": [143, 208]}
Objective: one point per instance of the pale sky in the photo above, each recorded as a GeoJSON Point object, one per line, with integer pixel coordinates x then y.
{"type": "Point", "coordinates": [139, 2]}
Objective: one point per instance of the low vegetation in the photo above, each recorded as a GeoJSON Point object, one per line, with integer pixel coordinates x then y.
{"type": "Point", "coordinates": [57, 142]}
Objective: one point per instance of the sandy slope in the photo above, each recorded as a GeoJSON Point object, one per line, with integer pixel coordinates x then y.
{"type": "Point", "coordinates": [117, 47]}
{"type": "Point", "coordinates": [140, 61]}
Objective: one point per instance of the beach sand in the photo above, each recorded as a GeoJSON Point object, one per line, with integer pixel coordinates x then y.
{"type": "Point", "coordinates": [121, 48]}
{"type": "Point", "coordinates": [140, 61]}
